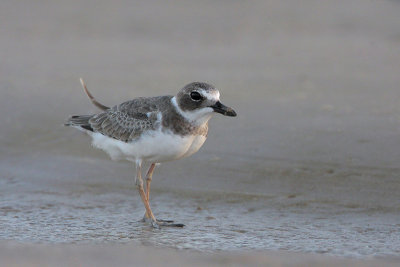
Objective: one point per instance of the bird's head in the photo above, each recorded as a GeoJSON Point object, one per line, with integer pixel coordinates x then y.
{"type": "Point", "coordinates": [199, 100]}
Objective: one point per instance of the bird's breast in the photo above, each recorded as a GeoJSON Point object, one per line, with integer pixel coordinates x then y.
{"type": "Point", "coordinates": [196, 144]}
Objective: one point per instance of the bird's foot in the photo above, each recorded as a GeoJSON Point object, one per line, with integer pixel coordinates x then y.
{"type": "Point", "coordinates": [159, 222]}
{"type": "Point", "coordinates": [164, 221]}
{"type": "Point", "coordinates": [169, 223]}
{"type": "Point", "coordinates": [148, 220]}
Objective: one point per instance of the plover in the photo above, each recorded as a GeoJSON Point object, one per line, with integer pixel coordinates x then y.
{"type": "Point", "coordinates": [153, 130]}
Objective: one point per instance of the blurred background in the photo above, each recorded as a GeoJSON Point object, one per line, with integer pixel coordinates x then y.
{"type": "Point", "coordinates": [310, 164]}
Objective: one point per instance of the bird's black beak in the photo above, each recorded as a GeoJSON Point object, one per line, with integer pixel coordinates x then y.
{"type": "Point", "coordinates": [224, 110]}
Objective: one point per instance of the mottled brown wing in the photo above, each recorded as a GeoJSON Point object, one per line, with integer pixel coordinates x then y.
{"type": "Point", "coordinates": [127, 121]}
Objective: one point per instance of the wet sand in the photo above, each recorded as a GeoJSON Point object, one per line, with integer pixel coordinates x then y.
{"type": "Point", "coordinates": [310, 165]}
{"type": "Point", "coordinates": [13, 254]}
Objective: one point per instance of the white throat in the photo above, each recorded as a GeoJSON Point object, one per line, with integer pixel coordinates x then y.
{"type": "Point", "coordinates": [197, 117]}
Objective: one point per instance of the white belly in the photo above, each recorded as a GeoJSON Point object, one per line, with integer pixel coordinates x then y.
{"type": "Point", "coordinates": [156, 147]}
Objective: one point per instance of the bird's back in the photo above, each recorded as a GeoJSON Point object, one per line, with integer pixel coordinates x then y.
{"type": "Point", "coordinates": [126, 121]}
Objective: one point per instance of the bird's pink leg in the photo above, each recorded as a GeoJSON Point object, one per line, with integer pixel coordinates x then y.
{"type": "Point", "coordinates": [139, 184]}
{"type": "Point", "coordinates": [149, 177]}
{"type": "Point", "coordinates": [148, 214]}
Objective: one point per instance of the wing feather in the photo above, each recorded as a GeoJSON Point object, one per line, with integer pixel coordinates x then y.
{"type": "Point", "coordinates": [127, 121]}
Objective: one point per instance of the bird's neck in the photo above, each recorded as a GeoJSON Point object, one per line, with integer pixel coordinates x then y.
{"type": "Point", "coordinates": [197, 118]}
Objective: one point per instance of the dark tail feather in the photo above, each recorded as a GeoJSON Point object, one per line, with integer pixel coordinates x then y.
{"type": "Point", "coordinates": [80, 121]}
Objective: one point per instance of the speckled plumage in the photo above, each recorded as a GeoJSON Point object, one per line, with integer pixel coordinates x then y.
{"type": "Point", "coordinates": [129, 120]}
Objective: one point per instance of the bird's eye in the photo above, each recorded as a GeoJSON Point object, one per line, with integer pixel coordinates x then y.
{"type": "Point", "coordinates": [196, 96]}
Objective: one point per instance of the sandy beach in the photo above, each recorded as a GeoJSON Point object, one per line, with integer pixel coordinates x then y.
{"type": "Point", "coordinates": [128, 255]}
{"type": "Point", "coordinates": [306, 175]}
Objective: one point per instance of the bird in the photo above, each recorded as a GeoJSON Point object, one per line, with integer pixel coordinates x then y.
{"type": "Point", "coordinates": [153, 130]}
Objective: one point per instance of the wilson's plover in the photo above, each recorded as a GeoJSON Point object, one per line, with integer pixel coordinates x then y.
{"type": "Point", "coordinates": [153, 130]}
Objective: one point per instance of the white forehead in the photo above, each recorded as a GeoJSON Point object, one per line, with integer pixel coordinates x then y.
{"type": "Point", "coordinates": [211, 95]}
